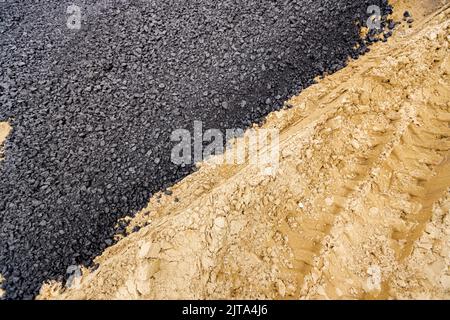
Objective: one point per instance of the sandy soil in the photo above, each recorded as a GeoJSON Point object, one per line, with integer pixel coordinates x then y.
{"type": "Point", "coordinates": [5, 128]}
{"type": "Point", "coordinates": [358, 209]}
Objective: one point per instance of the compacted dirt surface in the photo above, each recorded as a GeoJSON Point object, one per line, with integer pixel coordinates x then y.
{"type": "Point", "coordinates": [358, 208]}
{"type": "Point", "coordinates": [92, 109]}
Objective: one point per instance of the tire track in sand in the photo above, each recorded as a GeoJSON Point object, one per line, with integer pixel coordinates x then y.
{"type": "Point", "coordinates": [379, 229]}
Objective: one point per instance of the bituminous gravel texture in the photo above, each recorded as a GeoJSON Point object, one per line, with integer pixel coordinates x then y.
{"type": "Point", "coordinates": [92, 110]}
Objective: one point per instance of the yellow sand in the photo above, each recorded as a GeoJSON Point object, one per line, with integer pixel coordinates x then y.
{"type": "Point", "coordinates": [4, 131]}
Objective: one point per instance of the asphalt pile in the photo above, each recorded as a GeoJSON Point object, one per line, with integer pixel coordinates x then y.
{"type": "Point", "coordinates": [93, 109]}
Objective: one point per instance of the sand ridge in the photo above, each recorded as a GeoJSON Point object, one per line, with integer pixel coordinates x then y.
{"type": "Point", "coordinates": [5, 129]}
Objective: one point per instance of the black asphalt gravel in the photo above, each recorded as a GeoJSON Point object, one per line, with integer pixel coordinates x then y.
{"type": "Point", "coordinates": [93, 109]}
